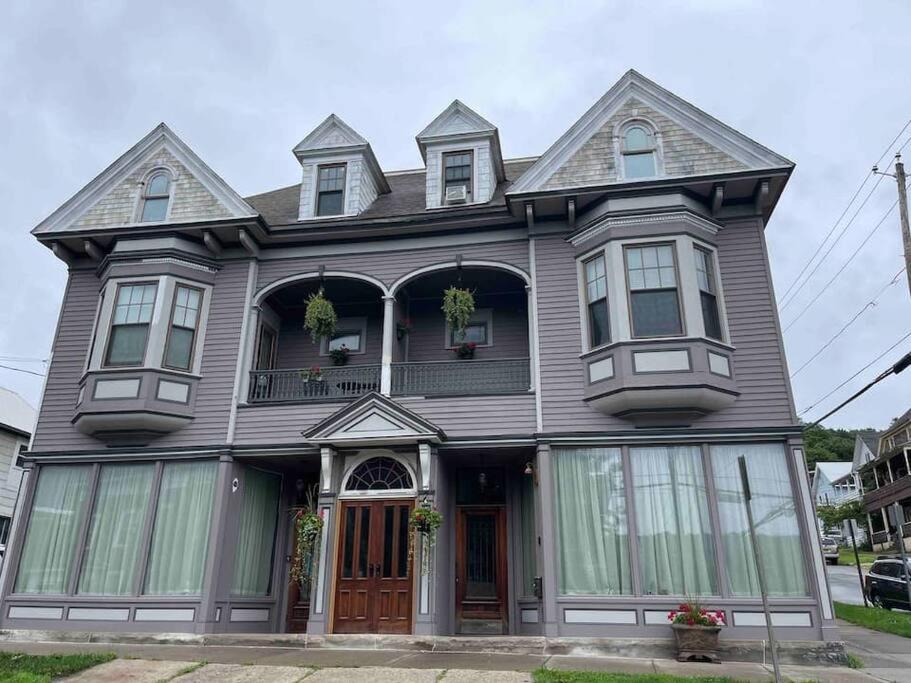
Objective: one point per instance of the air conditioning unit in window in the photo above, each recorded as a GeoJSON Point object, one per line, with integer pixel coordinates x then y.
{"type": "Point", "coordinates": [457, 194]}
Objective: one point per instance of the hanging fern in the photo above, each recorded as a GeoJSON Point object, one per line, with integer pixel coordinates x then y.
{"type": "Point", "coordinates": [458, 306]}
{"type": "Point", "coordinates": [320, 318]}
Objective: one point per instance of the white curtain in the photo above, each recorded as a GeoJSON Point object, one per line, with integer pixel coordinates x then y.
{"type": "Point", "coordinates": [180, 541]}
{"type": "Point", "coordinates": [673, 526]}
{"type": "Point", "coordinates": [256, 537]}
{"type": "Point", "coordinates": [777, 531]}
{"type": "Point", "coordinates": [591, 522]}
{"type": "Point", "coordinates": [113, 545]}
{"type": "Point", "coordinates": [57, 512]}
{"type": "Point", "coordinates": [529, 538]}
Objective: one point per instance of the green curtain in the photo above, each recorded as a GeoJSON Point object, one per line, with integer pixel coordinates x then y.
{"type": "Point", "coordinates": [672, 521]}
{"type": "Point", "coordinates": [591, 522]}
{"type": "Point", "coordinates": [180, 541]}
{"type": "Point", "coordinates": [777, 531]}
{"type": "Point", "coordinates": [529, 538]}
{"type": "Point", "coordinates": [56, 516]}
{"type": "Point", "coordinates": [256, 537]}
{"type": "Point", "coordinates": [113, 546]}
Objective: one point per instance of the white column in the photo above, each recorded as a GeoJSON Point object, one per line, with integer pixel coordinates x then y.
{"type": "Point", "coordinates": [532, 333]}
{"type": "Point", "coordinates": [388, 336]}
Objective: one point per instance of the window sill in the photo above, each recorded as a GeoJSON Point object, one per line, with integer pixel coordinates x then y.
{"type": "Point", "coordinates": [185, 374]}
{"type": "Point", "coordinates": [651, 340]}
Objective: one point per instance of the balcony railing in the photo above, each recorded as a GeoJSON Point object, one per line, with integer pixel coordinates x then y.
{"type": "Point", "coordinates": [461, 377]}
{"type": "Point", "coordinates": [348, 381]}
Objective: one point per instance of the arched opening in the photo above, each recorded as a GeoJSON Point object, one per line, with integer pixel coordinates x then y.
{"type": "Point", "coordinates": [379, 473]}
{"type": "Point", "coordinates": [289, 365]}
{"type": "Point", "coordinates": [491, 356]}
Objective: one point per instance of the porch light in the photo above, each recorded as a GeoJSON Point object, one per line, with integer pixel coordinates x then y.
{"type": "Point", "coordinates": [530, 470]}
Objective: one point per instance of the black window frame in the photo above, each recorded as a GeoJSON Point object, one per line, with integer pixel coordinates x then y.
{"type": "Point", "coordinates": [630, 292]}
{"type": "Point", "coordinates": [708, 299]}
{"type": "Point", "coordinates": [335, 191]}
{"type": "Point", "coordinates": [453, 182]}
{"type": "Point", "coordinates": [172, 325]}
{"type": "Point", "coordinates": [590, 305]}
{"type": "Point", "coordinates": [111, 325]}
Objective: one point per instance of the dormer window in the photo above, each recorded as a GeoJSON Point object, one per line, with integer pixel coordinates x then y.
{"type": "Point", "coordinates": [457, 177]}
{"type": "Point", "coordinates": [638, 151]}
{"type": "Point", "coordinates": [156, 197]}
{"type": "Point", "coordinates": [330, 192]}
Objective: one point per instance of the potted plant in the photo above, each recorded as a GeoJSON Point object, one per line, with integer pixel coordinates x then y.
{"type": "Point", "coordinates": [696, 631]}
{"type": "Point", "coordinates": [458, 307]}
{"type": "Point", "coordinates": [320, 318]}
{"type": "Point", "coordinates": [425, 521]}
{"type": "Point", "coordinates": [465, 350]}
{"type": "Point", "coordinates": [340, 355]}
{"type": "Point", "coordinates": [312, 374]}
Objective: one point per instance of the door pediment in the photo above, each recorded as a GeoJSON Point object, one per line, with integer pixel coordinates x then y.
{"type": "Point", "coordinates": [374, 419]}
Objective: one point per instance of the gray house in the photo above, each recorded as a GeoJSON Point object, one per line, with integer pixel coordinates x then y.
{"type": "Point", "coordinates": [17, 419]}
{"type": "Point", "coordinates": [626, 351]}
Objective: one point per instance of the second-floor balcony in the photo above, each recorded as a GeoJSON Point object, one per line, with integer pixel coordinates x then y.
{"type": "Point", "coordinates": [399, 345]}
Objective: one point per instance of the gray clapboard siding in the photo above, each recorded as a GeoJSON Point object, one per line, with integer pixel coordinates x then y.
{"type": "Point", "coordinates": [9, 478]}
{"type": "Point", "coordinates": [388, 266]}
{"type": "Point", "coordinates": [758, 360]}
{"type": "Point", "coordinates": [296, 348]}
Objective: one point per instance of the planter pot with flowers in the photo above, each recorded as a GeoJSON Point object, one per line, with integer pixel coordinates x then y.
{"type": "Point", "coordinates": [696, 631]}
{"type": "Point", "coordinates": [340, 355]}
{"type": "Point", "coordinates": [465, 350]}
{"type": "Point", "coordinates": [424, 522]}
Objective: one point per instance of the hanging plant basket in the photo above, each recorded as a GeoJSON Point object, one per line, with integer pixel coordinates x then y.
{"type": "Point", "coordinates": [458, 307]}
{"type": "Point", "coordinates": [425, 521]}
{"type": "Point", "coordinates": [320, 319]}
{"type": "Point", "coordinates": [308, 526]}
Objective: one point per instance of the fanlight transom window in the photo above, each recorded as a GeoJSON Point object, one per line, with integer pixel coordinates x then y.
{"type": "Point", "coordinates": [379, 474]}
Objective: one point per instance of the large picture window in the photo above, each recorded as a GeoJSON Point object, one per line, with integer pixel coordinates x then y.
{"type": "Point", "coordinates": [180, 540]}
{"type": "Point", "coordinates": [705, 275]}
{"type": "Point", "coordinates": [775, 517]}
{"type": "Point", "coordinates": [130, 324]}
{"type": "Point", "coordinates": [672, 521]}
{"type": "Point", "coordinates": [654, 301]}
{"type": "Point", "coordinates": [596, 299]}
{"type": "Point", "coordinates": [57, 511]}
{"type": "Point", "coordinates": [179, 348]}
{"type": "Point", "coordinates": [114, 542]}
{"type": "Point", "coordinates": [591, 522]}
{"type": "Point", "coordinates": [256, 537]}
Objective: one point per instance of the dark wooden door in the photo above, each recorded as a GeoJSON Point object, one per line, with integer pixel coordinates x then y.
{"type": "Point", "coordinates": [481, 570]}
{"type": "Point", "coordinates": [374, 583]}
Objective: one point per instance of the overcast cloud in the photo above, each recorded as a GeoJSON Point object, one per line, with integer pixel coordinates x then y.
{"type": "Point", "coordinates": [823, 83]}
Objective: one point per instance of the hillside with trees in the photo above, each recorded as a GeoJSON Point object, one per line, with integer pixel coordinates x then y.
{"type": "Point", "coordinates": [829, 445]}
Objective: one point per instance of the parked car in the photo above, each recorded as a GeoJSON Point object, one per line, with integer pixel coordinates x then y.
{"type": "Point", "coordinates": [886, 584]}
{"type": "Point", "coordinates": [830, 549]}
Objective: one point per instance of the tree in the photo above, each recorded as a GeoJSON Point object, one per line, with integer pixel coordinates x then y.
{"type": "Point", "coordinates": [828, 445]}
{"type": "Point", "coordinates": [833, 515]}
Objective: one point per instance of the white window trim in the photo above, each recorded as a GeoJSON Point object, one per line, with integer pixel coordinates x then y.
{"type": "Point", "coordinates": [480, 315]}
{"type": "Point", "coordinates": [345, 193]}
{"type": "Point", "coordinates": [158, 326]}
{"type": "Point", "coordinates": [620, 130]}
{"type": "Point", "coordinates": [173, 174]}
{"type": "Point", "coordinates": [359, 322]}
{"type": "Point", "coordinates": [442, 149]}
{"type": "Point", "coordinates": [618, 300]}
{"type": "Point", "coordinates": [352, 461]}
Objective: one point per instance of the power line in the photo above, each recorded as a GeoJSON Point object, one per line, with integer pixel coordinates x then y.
{"type": "Point", "coordinates": [23, 359]}
{"type": "Point", "coordinates": [902, 364]}
{"type": "Point", "coordinates": [868, 305]}
{"type": "Point", "coordinates": [845, 211]}
{"type": "Point", "coordinates": [10, 367]}
{"type": "Point", "coordinates": [823, 398]}
{"type": "Point", "coordinates": [844, 265]}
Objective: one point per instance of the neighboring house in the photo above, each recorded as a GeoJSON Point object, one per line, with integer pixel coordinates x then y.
{"type": "Point", "coordinates": [585, 461]}
{"type": "Point", "coordinates": [835, 483]}
{"type": "Point", "coordinates": [17, 420]}
{"type": "Point", "coordinates": [886, 479]}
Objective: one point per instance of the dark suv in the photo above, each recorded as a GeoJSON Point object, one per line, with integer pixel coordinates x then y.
{"type": "Point", "coordinates": [886, 583]}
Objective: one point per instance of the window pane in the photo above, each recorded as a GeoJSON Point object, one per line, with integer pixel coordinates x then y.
{"type": "Point", "coordinates": [256, 536]}
{"type": "Point", "coordinates": [330, 204]}
{"type": "Point", "coordinates": [710, 315]}
{"type": "Point", "coordinates": [637, 138]}
{"type": "Point", "coordinates": [350, 339]}
{"type": "Point", "coordinates": [388, 539]}
{"type": "Point", "coordinates": [529, 538]}
{"type": "Point", "coordinates": [113, 545]}
{"type": "Point", "coordinates": [127, 344]}
{"type": "Point", "coordinates": [639, 165]}
{"type": "Point", "coordinates": [705, 274]}
{"type": "Point", "coordinates": [158, 185]}
{"type": "Point", "coordinates": [331, 178]}
{"type": "Point", "coordinates": [154, 209]}
{"type": "Point", "coordinates": [598, 323]}
{"type": "Point", "coordinates": [55, 519]}
{"type": "Point", "coordinates": [180, 346]}
{"type": "Point", "coordinates": [475, 333]}
{"type": "Point", "coordinates": [777, 531]}
{"type": "Point", "coordinates": [180, 540]}
{"type": "Point", "coordinates": [655, 313]}
{"type": "Point", "coordinates": [403, 564]}
{"type": "Point", "coordinates": [672, 521]}
{"type": "Point", "coordinates": [591, 522]}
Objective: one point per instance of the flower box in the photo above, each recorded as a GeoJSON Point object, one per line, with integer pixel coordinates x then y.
{"type": "Point", "coordinates": [698, 643]}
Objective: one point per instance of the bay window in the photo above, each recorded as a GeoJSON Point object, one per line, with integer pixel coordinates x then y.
{"type": "Point", "coordinates": [182, 334]}
{"type": "Point", "coordinates": [654, 301]}
{"type": "Point", "coordinates": [130, 324]}
{"type": "Point", "coordinates": [705, 275]}
{"type": "Point", "coordinates": [596, 297]}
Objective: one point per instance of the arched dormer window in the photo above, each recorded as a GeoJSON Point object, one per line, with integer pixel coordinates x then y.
{"type": "Point", "coordinates": [156, 196]}
{"type": "Point", "coordinates": [639, 151]}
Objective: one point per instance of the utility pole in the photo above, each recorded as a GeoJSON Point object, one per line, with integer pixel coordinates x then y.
{"type": "Point", "coordinates": [901, 181]}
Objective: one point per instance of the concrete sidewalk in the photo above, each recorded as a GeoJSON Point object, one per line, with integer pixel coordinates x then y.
{"type": "Point", "coordinates": [884, 655]}
{"type": "Point", "coordinates": [238, 664]}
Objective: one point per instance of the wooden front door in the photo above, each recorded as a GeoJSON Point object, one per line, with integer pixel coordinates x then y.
{"type": "Point", "coordinates": [481, 570]}
{"type": "Point", "coordinates": [374, 583]}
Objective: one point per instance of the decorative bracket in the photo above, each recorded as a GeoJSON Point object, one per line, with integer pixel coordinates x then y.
{"type": "Point", "coordinates": [424, 456]}
{"type": "Point", "coordinates": [326, 454]}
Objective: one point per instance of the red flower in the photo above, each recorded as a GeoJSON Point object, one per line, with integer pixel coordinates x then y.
{"type": "Point", "coordinates": [683, 607]}
{"type": "Point", "coordinates": [691, 621]}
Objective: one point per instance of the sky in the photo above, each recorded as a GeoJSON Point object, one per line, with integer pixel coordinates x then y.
{"type": "Point", "coordinates": [822, 83]}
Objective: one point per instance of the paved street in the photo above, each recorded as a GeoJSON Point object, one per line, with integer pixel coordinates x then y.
{"type": "Point", "coordinates": [844, 584]}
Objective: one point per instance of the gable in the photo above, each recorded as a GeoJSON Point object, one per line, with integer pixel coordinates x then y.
{"type": "Point", "coordinates": [690, 142]}
{"type": "Point", "coordinates": [331, 133]}
{"type": "Point", "coordinates": [456, 119]}
{"type": "Point", "coordinates": [373, 418]}
{"type": "Point", "coordinates": [112, 199]}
